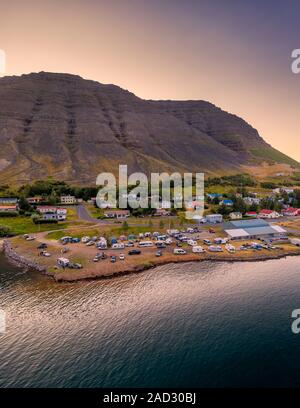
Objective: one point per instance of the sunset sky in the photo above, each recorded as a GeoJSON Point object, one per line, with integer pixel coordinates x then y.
{"type": "Point", "coordinates": [235, 54]}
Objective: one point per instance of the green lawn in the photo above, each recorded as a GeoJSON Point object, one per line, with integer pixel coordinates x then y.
{"type": "Point", "coordinates": [73, 233]}
{"type": "Point", "coordinates": [25, 225]}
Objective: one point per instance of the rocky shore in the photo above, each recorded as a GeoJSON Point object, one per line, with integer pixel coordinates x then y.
{"type": "Point", "coordinates": [23, 257]}
{"type": "Point", "coordinates": [20, 260]}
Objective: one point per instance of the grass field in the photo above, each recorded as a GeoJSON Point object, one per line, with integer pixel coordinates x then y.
{"type": "Point", "coordinates": [94, 211]}
{"type": "Point", "coordinates": [274, 156]}
{"type": "Point", "coordinates": [74, 232]}
{"type": "Point", "coordinates": [25, 225]}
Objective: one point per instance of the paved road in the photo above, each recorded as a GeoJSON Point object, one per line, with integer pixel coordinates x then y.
{"type": "Point", "coordinates": [84, 214]}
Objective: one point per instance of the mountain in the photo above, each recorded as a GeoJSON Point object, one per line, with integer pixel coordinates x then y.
{"type": "Point", "coordinates": [63, 126]}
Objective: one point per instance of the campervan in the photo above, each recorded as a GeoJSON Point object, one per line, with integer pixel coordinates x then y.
{"type": "Point", "coordinates": [198, 249]}
{"type": "Point", "coordinates": [145, 244]}
{"type": "Point", "coordinates": [179, 251]}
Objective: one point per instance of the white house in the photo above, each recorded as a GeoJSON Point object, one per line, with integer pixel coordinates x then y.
{"type": "Point", "coordinates": [268, 214]}
{"type": "Point", "coordinates": [214, 218]}
{"type": "Point", "coordinates": [117, 213]}
{"type": "Point", "coordinates": [236, 216]}
{"type": "Point", "coordinates": [53, 213]}
{"type": "Point", "coordinates": [68, 200]}
{"type": "Point", "coordinates": [252, 200]}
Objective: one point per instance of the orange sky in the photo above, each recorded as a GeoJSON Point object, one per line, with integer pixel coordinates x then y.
{"type": "Point", "coordinates": [166, 50]}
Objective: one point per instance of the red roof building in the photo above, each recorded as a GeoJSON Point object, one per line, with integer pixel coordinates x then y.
{"type": "Point", "coordinates": [291, 212]}
{"type": "Point", "coordinates": [268, 214]}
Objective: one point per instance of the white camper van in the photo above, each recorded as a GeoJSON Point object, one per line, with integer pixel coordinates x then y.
{"type": "Point", "coordinates": [179, 251]}
{"type": "Point", "coordinates": [118, 246]}
{"type": "Point", "coordinates": [198, 249]}
{"type": "Point", "coordinates": [145, 244]}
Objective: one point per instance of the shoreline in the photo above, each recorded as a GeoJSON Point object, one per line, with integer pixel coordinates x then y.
{"type": "Point", "coordinates": [79, 275]}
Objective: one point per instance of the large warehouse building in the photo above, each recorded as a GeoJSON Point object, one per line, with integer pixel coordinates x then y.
{"type": "Point", "coordinates": [253, 229]}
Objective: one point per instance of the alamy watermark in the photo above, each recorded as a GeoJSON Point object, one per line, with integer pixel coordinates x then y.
{"type": "Point", "coordinates": [295, 66]}
{"type": "Point", "coordinates": [2, 322]}
{"type": "Point", "coordinates": [2, 62]}
{"type": "Point", "coordinates": [160, 190]}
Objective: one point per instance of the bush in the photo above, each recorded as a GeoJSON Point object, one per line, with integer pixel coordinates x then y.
{"type": "Point", "coordinates": [42, 221]}
{"type": "Point", "coordinates": [4, 231]}
{"type": "Point", "coordinates": [8, 214]}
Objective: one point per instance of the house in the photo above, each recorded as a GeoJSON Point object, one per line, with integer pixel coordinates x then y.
{"type": "Point", "coordinates": [253, 229]}
{"type": "Point", "coordinates": [236, 216]}
{"type": "Point", "coordinates": [251, 200]}
{"type": "Point", "coordinates": [290, 212]}
{"type": "Point", "coordinates": [68, 200]}
{"type": "Point", "coordinates": [281, 190]}
{"type": "Point", "coordinates": [227, 202]}
{"type": "Point", "coordinates": [119, 214]}
{"type": "Point", "coordinates": [36, 200]}
{"type": "Point", "coordinates": [162, 212]}
{"type": "Point", "coordinates": [9, 208]}
{"type": "Point", "coordinates": [252, 214]}
{"type": "Point", "coordinates": [61, 213]}
{"type": "Point", "coordinates": [214, 218]}
{"type": "Point", "coordinates": [8, 201]}
{"type": "Point", "coordinates": [52, 213]}
{"type": "Point", "coordinates": [268, 214]}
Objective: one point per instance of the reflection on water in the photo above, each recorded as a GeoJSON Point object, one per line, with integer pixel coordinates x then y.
{"type": "Point", "coordinates": [194, 324]}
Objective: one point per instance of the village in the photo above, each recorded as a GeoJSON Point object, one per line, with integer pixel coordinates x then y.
{"type": "Point", "coordinates": [74, 239]}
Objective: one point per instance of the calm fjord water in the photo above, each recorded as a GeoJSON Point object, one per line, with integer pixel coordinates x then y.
{"type": "Point", "coordinates": [195, 324]}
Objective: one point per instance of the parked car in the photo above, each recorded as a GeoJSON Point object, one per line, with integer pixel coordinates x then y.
{"type": "Point", "coordinates": [129, 244]}
{"type": "Point", "coordinates": [30, 238]}
{"type": "Point", "coordinates": [160, 245]}
{"type": "Point", "coordinates": [158, 253]}
{"type": "Point", "coordinates": [75, 240]}
{"type": "Point", "coordinates": [77, 265]}
{"type": "Point", "coordinates": [42, 246]}
{"type": "Point", "coordinates": [134, 252]}
{"type": "Point", "coordinates": [121, 257]}
{"type": "Point", "coordinates": [113, 259]}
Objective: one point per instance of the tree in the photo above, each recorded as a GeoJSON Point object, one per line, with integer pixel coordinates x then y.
{"type": "Point", "coordinates": [216, 200]}
{"type": "Point", "coordinates": [125, 226]}
{"type": "Point", "coordinates": [239, 205]}
{"type": "Point", "coordinates": [35, 218]}
{"type": "Point", "coordinates": [4, 231]}
{"type": "Point", "coordinates": [224, 210]}
{"type": "Point", "coordinates": [24, 204]}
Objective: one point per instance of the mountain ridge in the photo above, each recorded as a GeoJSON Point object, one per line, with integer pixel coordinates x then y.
{"type": "Point", "coordinates": [70, 128]}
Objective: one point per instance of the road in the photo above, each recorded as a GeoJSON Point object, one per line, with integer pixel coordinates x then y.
{"type": "Point", "coordinates": [84, 214]}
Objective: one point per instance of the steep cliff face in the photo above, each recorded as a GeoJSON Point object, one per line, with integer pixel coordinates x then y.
{"type": "Point", "coordinates": [72, 129]}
